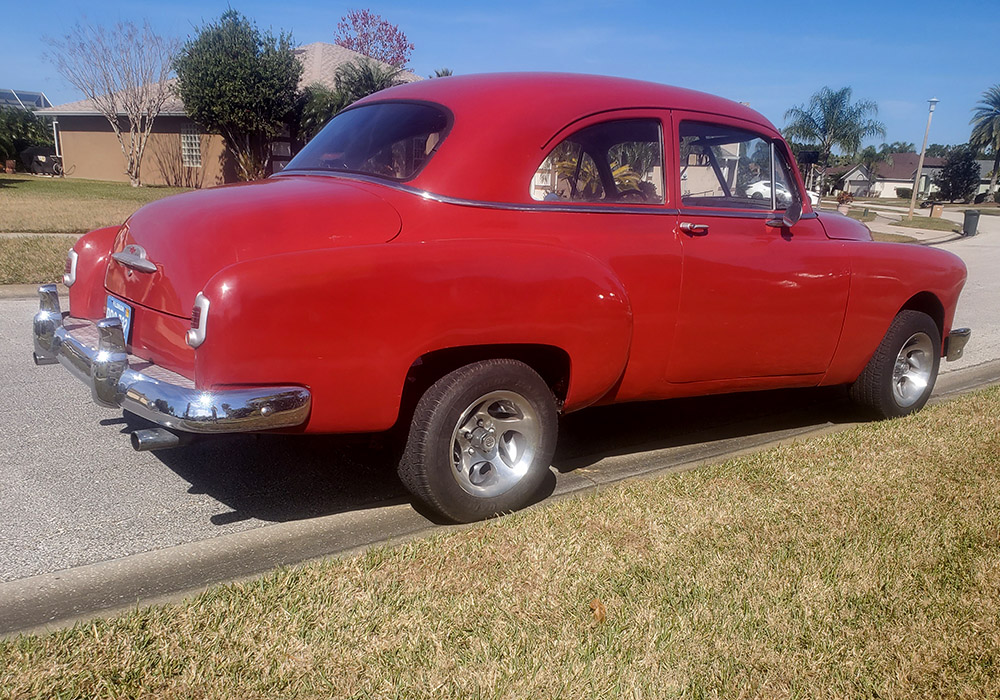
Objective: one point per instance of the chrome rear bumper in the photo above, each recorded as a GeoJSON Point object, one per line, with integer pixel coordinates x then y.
{"type": "Point", "coordinates": [176, 404]}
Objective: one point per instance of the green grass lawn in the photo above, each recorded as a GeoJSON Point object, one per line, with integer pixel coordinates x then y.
{"type": "Point", "coordinates": [66, 205]}
{"type": "Point", "coordinates": [925, 222]}
{"type": "Point", "coordinates": [862, 564]}
{"type": "Point", "coordinates": [892, 237]}
{"type": "Point", "coordinates": [861, 215]}
{"type": "Point", "coordinates": [33, 259]}
{"type": "Point", "coordinates": [889, 201]}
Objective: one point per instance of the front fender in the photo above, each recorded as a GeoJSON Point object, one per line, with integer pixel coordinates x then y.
{"type": "Point", "coordinates": [885, 276]}
{"type": "Point", "coordinates": [350, 322]}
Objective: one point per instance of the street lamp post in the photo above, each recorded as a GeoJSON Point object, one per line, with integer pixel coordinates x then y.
{"type": "Point", "coordinates": [920, 162]}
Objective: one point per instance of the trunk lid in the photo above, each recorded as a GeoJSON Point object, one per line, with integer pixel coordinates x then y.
{"type": "Point", "coordinates": [170, 248]}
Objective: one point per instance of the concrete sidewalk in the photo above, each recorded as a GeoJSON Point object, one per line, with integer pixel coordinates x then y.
{"type": "Point", "coordinates": [885, 218]}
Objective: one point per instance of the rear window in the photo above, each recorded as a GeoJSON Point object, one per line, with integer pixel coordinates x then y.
{"type": "Point", "coordinates": [393, 140]}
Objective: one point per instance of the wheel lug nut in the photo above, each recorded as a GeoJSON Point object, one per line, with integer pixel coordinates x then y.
{"type": "Point", "coordinates": [472, 451]}
{"type": "Point", "coordinates": [479, 423]}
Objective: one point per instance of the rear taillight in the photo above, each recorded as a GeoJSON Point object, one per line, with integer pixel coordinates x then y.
{"type": "Point", "coordinates": [69, 276]}
{"type": "Point", "coordinates": [199, 321]}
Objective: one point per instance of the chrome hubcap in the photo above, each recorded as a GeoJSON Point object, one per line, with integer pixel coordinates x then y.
{"type": "Point", "coordinates": [912, 371]}
{"type": "Point", "coordinates": [494, 443]}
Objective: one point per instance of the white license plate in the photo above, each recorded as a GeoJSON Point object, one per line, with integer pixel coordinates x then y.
{"type": "Point", "coordinates": [116, 308]}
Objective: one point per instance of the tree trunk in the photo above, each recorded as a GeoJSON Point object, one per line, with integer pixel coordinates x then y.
{"type": "Point", "coordinates": [993, 178]}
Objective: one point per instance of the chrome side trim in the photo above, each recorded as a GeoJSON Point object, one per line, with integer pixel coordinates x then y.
{"type": "Point", "coordinates": [654, 209]}
{"type": "Point", "coordinates": [739, 214]}
{"type": "Point", "coordinates": [954, 344]}
{"type": "Point", "coordinates": [105, 369]}
{"type": "Point", "coordinates": [70, 277]}
{"type": "Point", "coordinates": [196, 336]}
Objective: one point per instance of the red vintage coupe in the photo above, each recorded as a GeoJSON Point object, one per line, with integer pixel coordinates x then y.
{"type": "Point", "coordinates": [469, 257]}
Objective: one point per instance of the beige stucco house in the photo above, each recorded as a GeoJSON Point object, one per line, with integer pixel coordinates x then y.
{"type": "Point", "coordinates": [177, 153]}
{"type": "Point", "coordinates": [889, 177]}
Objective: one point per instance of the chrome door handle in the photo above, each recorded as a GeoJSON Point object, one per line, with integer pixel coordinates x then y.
{"type": "Point", "coordinates": [694, 229]}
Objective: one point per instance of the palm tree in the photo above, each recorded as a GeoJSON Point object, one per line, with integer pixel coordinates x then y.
{"type": "Point", "coordinates": [831, 120]}
{"type": "Point", "coordinates": [364, 77]}
{"type": "Point", "coordinates": [442, 73]}
{"type": "Point", "coordinates": [986, 128]}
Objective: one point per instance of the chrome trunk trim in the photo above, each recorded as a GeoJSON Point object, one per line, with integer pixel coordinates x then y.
{"type": "Point", "coordinates": [134, 256]}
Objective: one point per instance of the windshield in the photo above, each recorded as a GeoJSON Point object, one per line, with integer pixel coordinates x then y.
{"type": "Point", "coordinates": [388, 139]}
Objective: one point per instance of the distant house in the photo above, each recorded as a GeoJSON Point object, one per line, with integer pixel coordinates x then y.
{"type": "Point", "coordinates": [889, 177]}
{"type": "Point", "coordinates": [985, 173]}
{"type": "Point", "coordinates": [177, 152]}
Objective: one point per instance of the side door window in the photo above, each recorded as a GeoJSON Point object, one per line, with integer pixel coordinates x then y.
{"type": "Point", "coordinates": [618, 161]}
{"type": "Point", "coordinates": [727, 167]}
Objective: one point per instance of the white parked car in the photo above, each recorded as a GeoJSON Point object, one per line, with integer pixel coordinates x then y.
{"type": "Point", "coordinates": [762, 190]}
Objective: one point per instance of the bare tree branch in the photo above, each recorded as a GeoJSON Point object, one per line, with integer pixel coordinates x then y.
{"type": "Point", "coordinates": [123, 70]}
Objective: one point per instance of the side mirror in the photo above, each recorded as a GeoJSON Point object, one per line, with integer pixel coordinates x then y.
{"type": "Point", "coordinates": [790, 217]}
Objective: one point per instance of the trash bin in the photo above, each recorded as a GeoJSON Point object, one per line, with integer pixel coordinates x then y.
{"type": "Point", "coordinates": [971, 222]}
{"type": "Point", "coordinates": [937, 210]}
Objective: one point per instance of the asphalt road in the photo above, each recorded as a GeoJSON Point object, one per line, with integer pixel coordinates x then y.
{"type": "Point", "coordinates": [74, 494]}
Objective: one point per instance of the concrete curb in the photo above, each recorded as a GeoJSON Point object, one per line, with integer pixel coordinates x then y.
{"type": "Point", "coordinates": [25, 291]}
{"type": "Point", "coordinates": [50, 601]}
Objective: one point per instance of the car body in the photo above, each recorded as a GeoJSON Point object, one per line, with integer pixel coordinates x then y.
{"type": "Point", "coordinates": [465, 258]}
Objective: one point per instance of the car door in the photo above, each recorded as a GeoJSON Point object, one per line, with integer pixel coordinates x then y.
{"type": "Point", "coordinates": [756, 300]}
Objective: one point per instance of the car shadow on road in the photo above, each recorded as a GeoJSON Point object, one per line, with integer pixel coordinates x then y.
{"type": "Point", "coordinates": [278, 478]}
{"type": "Point", "coordinates": [606, 431]}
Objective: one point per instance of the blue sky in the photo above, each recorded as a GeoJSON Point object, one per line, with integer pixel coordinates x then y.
{"type": "Point", "coordinates": [773, 55]}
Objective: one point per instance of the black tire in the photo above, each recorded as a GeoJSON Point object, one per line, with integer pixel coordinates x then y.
{"type": "Point", "coordinates": [885, 388]}
{"type": "Point", "coordinates": [434, 466]}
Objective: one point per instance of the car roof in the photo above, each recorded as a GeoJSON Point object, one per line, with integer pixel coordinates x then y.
{"type": "Point", "coordinates": [504, 122]}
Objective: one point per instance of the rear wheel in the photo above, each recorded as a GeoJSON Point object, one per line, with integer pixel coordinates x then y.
{"type": "Point", "coordinates": [480, 441]}
{"type": "Point", "coordinates": [900, 376]}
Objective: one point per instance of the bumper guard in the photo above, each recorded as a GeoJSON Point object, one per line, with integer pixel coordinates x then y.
{"type": "Point", "coordinates": [954, 344]}
{"type": "Point", "coordinates": [105, 369]}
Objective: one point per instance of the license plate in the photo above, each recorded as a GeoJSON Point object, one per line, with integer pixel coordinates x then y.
{"type": "Point", "coordinates": [116, 308]}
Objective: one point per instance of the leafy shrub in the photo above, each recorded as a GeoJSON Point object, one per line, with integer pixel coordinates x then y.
{"type": "Point", "coordinates": [904, 192]}
{"type": "Point", "coordinates": [20, 129]}
{"type": "Point", "coordinates": [996, 196]}
{"type": "Point", "coordinates": [845, 198]}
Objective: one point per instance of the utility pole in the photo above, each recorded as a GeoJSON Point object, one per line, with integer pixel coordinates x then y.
{"type": "Point", "coordinates": [923, 149]}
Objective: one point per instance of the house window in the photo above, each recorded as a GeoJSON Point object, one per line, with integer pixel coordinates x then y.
{"type": "Point", "coordinates": [190, 147]}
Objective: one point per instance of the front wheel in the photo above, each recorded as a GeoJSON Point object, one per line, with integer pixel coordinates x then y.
{"type": "Point", "coordinates": [480, 441]}
{"type": "Point", "coordinates": [900, 376]}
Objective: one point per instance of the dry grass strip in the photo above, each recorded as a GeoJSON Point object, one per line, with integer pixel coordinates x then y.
{"type": "Point", "coordinates": [33, 259]}
{"type": "Point", "coordinates": [32, 204]}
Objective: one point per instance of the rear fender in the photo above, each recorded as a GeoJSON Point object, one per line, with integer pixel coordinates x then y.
{"type": "Point", "coordinates": [350, 322]}
{"type": "Point", "coordinates": [87, 295]}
